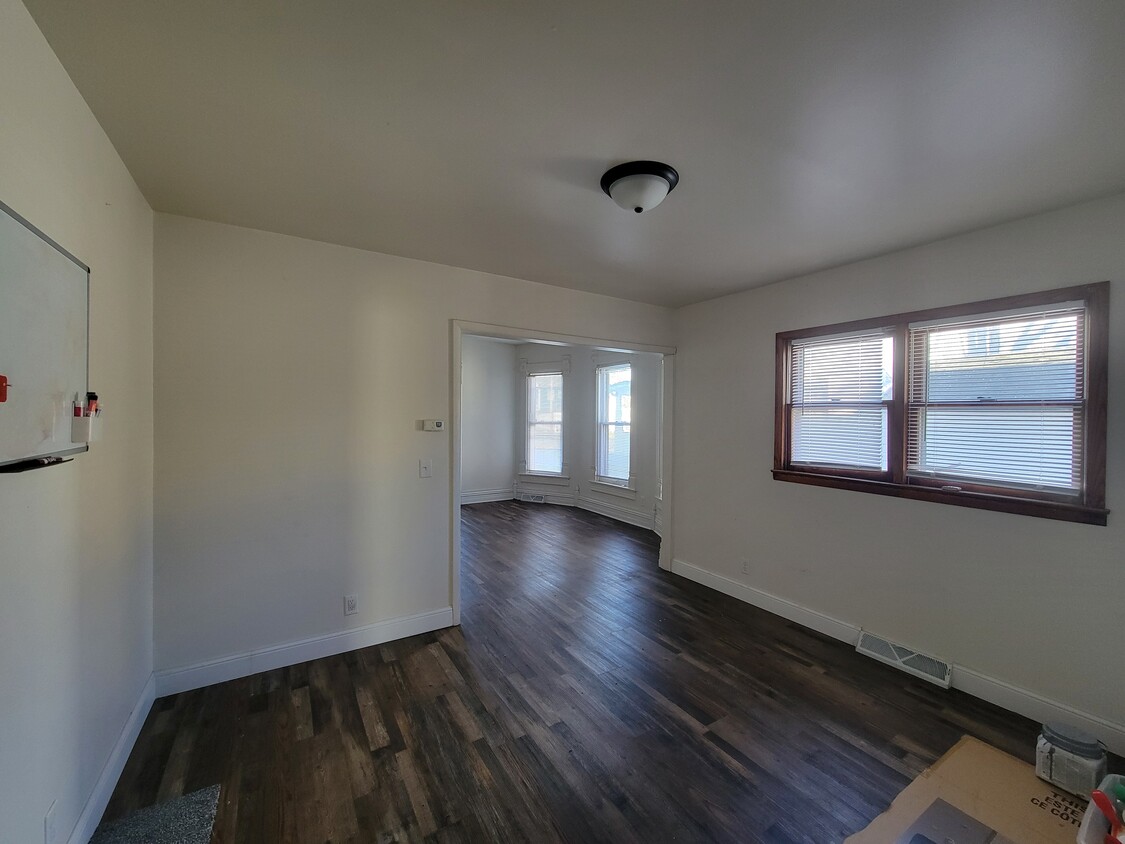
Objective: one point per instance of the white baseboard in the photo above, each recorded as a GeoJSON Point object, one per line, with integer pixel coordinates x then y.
{"type": "Point", "coordinates": [175, 680]}
{"type": "Point", "coordinates": [817, 621]}
{"type": "Point", "coordinates": [111, 772]}
{"type": "Point", "coordinates": [1013, 698]}
{"type": "Point", "coordinates": [622, 514]}
{"type": "Point", "coordinates": [480, 496]}
{"type": "Point", "coordinates": [602, 508]}
{"type": "Point", "coordinates": [1036, 707]}
{"type": "Point", "coordinates": [566, 499]}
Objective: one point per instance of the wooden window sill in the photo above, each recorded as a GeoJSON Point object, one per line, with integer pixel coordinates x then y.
{"type": "Point", "coordinates": [982, 501]}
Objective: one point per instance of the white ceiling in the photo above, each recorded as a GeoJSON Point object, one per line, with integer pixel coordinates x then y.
{"type": "Point", "coordinates": [806, 134]}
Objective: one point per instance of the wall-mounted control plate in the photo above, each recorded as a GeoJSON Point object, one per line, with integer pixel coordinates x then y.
{"type": "Point", "coordinates": [433, 424]}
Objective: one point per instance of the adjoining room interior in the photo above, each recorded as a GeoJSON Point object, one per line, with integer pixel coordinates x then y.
{"type": "Point", "coordinates": [863, 260]}
{"type": "Point", "coordinates": [559, 461]}
{"type": "Point", "coordinates": [561, 421]}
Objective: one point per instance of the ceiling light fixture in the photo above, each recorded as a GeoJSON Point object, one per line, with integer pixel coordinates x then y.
{"type": "Point", "coordinates": [639, 185]}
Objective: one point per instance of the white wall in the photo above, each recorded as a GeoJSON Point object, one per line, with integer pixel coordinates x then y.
{"type": "Point", "coordinates": [75, 540]}
{"type": "Point", "coordinates": [579, 433]}
{"type": "Point", "coordinates": [1028, 601]}
{"type": "Point", "coordinates": [488, 419]}
{"type": "Point", "coordinates": [291, 378]}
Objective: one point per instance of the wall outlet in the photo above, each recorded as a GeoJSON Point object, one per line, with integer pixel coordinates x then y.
{"type": "Point", "coordinates": [746, 567]}
{"type": "Point", "coordinates": [50, 826]}
{"type": "Point", "coordinates": [351, 604]}
{"type": "Point", "coordinates": [425, 468]}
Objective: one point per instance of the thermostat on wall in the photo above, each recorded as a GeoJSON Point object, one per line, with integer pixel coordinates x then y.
{"type": "Point", "coordinates": [433, 424]}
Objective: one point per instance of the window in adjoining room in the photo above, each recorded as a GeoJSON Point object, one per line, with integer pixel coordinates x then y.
{"type": "Point", "coordinates": [545, 423]}
{"type": "Point", "coordinates": [614, 385]}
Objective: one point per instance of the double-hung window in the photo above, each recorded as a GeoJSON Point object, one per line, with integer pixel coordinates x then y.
{"type": "Point", "coordinates": [545, 423]}
{"type": "Point", "coordinates": [998, 404]}
{"type": "Point", "coordinates": [614, 386]}
{"type": "Point", "coordinates": [839, 407]}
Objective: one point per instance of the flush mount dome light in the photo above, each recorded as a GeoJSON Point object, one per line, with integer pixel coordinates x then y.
{"type": "Point", "coordinates": [639, 185]}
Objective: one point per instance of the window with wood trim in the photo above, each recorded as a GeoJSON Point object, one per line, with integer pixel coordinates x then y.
{"type": "Point", "coordinates": [998, 404]}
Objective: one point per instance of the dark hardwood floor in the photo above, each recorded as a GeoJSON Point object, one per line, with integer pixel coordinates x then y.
{"type": "Point", "coordinates": [587, 696]}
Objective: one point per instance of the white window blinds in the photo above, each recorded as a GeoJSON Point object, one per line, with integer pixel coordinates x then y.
{"type": "Point", "coordinates": [999, 399]}
{"type": "Point", "coordinates": [839, 390]}
{"type": "Point", "coordinates": [999, 405]}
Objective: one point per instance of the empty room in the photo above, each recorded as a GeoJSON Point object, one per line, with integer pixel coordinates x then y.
{"type": "Point", "coordinates": [438, 422]}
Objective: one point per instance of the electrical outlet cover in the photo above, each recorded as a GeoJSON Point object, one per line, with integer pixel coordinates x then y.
{"type": "Point", "coordinates": [351, 604]}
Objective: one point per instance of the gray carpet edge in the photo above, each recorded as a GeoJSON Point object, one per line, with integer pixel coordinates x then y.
{"type": "Point", "coordinates": [183, 820]}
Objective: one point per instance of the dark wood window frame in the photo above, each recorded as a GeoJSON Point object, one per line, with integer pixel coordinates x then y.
{"type": "Point", "coordinates": [1087, 507]}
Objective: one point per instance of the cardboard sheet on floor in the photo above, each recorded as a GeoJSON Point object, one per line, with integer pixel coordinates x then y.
{"type": "Point", "coordinates": [976, 794]}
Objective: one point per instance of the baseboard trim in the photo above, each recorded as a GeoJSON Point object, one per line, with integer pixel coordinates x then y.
{"type": "Point", "coordinates": [602, 508]}
{"type": "Point", "coordinates": [481, 496]}
{"type": "Point", "coordinates": [812, 619]}
{"type": "Point", "coordinates": [1003, 694]}
{"type": "Point", "coordinates": [111, 772]}
{"type": "Point", "coordinates": [564, 500]}
{"type": "Point", "coordinates": [175, 680]}
{"type": "Point", "coordinates": [1036, 707]}
{"type": "Point", "coordinates": [612, 511]}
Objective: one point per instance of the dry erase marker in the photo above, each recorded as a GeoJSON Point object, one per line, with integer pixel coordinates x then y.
{"type": "Point", "coordinates": [91, 404]}
{"type": "Point", "coordinates": [79, 405]}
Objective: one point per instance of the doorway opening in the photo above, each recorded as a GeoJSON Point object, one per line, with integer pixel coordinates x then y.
{"type": "Point", "coordinates": [561, 420]}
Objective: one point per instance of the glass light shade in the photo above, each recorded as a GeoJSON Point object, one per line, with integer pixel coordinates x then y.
{"type": "Point", "coordinates": [639, 193]}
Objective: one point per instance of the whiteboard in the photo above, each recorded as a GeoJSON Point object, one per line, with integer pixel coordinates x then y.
{"type": "Point", "coordinates": [44, 327]}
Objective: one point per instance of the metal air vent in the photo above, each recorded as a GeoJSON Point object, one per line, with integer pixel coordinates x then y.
{"type": "Point", "coordinates": [920, 665]}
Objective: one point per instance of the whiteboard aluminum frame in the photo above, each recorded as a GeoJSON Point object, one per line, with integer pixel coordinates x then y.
{"type": "Point", "coordinates": [78, 448]}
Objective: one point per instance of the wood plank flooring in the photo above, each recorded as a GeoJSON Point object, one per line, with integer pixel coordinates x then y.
{"type": "Point", "coordinates": [588, 696]}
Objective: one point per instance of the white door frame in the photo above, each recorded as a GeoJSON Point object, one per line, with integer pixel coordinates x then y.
{"type": "Point", "coordinates": [458, 330]}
